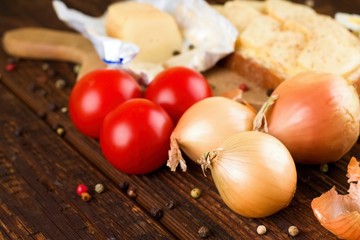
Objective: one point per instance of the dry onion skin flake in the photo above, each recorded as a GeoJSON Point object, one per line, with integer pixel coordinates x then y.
{"type": "Point", "coordinates": [316, 115]}
{"type": "Point", "coordinates": [253, 172]}
{"type": "Point", "coordinates": [340, 214]}
{"type": "Point", "coordinates": [205, 125]}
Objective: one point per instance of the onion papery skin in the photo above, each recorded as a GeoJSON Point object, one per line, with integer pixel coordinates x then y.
{"type": "Point", "coordinates": [205, 125]}
{"type": "Point", "coordinates": [330, 210]}
{"type": "Point", "coordinates": [340, 214]}
{"type": "Point", "coordinates": [316, 116]}
{"type": "Point", "coordinates": [254, 174]}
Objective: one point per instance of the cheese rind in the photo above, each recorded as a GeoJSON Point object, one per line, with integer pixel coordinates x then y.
{"type": "Point", "coordinates": [155, 32]}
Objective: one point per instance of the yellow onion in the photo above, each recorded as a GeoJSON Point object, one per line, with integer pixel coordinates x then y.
{"type": "Point", "coordinates": [253, 172]}
{"type": "Point", "coordinates": [340, 214]}
{"type": "Point", "coordinates": [316, 116]}
{"type": "Point", "coordinates": [205, 125]}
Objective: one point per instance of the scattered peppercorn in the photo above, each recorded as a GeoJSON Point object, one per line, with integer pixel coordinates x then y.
{"type": "Point", "coordinates": [293, 231]}
{"type": "Point", "coordinates": [203, 232]}
{"type": "Point", "coordinates": [99, 188]}
{"type": "Point", "coordinates": [243, 87]}
{"type": "Point", "coordinates": [41, 114]}
{"type": "Point", "coordinates": [132, 193]}
{"type": "Point", "coordinates": [81, 188]}
{"type": "Point", "coordinates": [32, 87]}
{"type": "Point", "coordinates": [170, 205]}
{"type": "Point", "coordinates": [60, 83]}
{"type": "Point", "coordinates": [124, 186]}
{"type": "Point", "coordinates": [85, 196]}
{"type": "Point", "coordinates": [64, 110]}
{"type": "Point", "coordinates": [76, 68]}
{"type": "Point", "coordinates": [195, 193]}
{"type": "Point", "coordinates": [45, 66]}
{"type": "Point", "coordinates": [53, 107]}
{"type": "Point", "coordinates": [191, 46]}
{"type": "Point", "coordinates": [19, 131]}
{"type": "Point", "coordinates": [42, 92]}
{"type": "Point", "coordinates": [10, 67]}
{"type": "Point", "coordinates": [261, 230]}
{"type": "Point", "coordinates": [156, 213]}
{"type": "Point", "coordinates": [324, 168]}
{"type": "Point", "coordinates": [60, 131]}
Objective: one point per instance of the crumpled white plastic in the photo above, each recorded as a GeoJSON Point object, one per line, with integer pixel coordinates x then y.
{"type": "Point", "coordinates": [212, 35]}
{"type": "Point", "coordinates": [350, 21]}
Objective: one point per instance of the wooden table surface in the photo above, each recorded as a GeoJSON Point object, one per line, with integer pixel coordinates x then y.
{"type": "Point", "coordinates": [40, 170]}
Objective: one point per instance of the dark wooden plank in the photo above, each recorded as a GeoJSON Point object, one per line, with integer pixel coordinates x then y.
{"type": "Point", "coordinates": [39, 175]}
{"type": "Point", "coordinates": [79, 158]}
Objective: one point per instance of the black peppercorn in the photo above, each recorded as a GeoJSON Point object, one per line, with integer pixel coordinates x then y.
{"type": "Point", "coordinates": [123, 186]}
{"type": "Point", "coordinates": [42, 92]}
{"type": "Point", "coordinates": [42, 114]}
{"type": "Point", "coordinates": [53, 107]}
{"type": "Point", "coordinates": [32, 87]}
{"type": "Point", "coordinates": [19, 131]}
{"type": "Point", "coordinates": [156, 213]}
{"type": "Point", "coordinates": [170, 205]}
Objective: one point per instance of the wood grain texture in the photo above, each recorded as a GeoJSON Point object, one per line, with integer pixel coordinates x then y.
{"type": "Point", "coordinates": [39, 170]}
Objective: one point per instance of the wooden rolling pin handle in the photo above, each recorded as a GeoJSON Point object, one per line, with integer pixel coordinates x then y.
{"type": "Point", "coordinates": [46, 44]}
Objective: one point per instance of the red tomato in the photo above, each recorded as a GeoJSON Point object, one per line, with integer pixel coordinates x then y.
{"type": "Point", "coordinates": [96, 94]}
{"type": "Point", "coordinates": [176, 89]}
{"type": "Point", "coordinates": [135, 136]}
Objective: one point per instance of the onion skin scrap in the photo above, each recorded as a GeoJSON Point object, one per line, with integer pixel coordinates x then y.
{"type": "Point", "coordinates": [316, 116]}
{"type": "Point", "coordinates": [253, 172]}
{"type": "Point", "coordinates": [340, 214]}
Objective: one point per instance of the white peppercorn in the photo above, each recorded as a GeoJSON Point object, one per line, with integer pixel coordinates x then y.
{"type": "Point", "coordinates": [261, 230]}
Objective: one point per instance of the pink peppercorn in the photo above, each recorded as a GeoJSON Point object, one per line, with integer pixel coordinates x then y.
{"type": "Point", "coordinates": [10, 67]}
{"type": "Point", "coordinates": [81, 188]}
{"type": "Point", "coordinates": [243, 87]}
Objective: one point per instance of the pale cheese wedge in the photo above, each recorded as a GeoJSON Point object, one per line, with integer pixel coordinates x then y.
{"type": "Point", "coordinates": [154, 31]}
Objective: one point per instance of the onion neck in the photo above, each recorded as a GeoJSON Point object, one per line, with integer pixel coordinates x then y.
{"type": "Point", "coordinates": [207, 160]}
{"type": "Point", "coordinates": [260, 122]}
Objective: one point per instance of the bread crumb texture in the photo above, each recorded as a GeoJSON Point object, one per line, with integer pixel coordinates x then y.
{"type": "Point", "coordinates": [288, 38]}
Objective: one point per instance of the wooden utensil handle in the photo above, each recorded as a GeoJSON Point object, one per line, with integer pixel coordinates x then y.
{"type": "Point", "coordinates": [46, 44]}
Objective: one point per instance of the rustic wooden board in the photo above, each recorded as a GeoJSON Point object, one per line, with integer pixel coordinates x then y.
{"type": "Point", "coordinates": [41, 169]}
{"type": "Point", "coordinates": [39, 175]}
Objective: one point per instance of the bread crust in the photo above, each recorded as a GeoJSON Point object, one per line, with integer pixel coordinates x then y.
{"type": "Point", "coordinates": [253, 71]}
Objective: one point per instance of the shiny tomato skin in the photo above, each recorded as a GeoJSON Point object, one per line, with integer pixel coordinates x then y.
{"type": "Point", "coordinates": [176, 89]}
{"type": "Point", "coordinates": [96, 94]}
{"type": "Point", "coordinates": [135, 136]}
